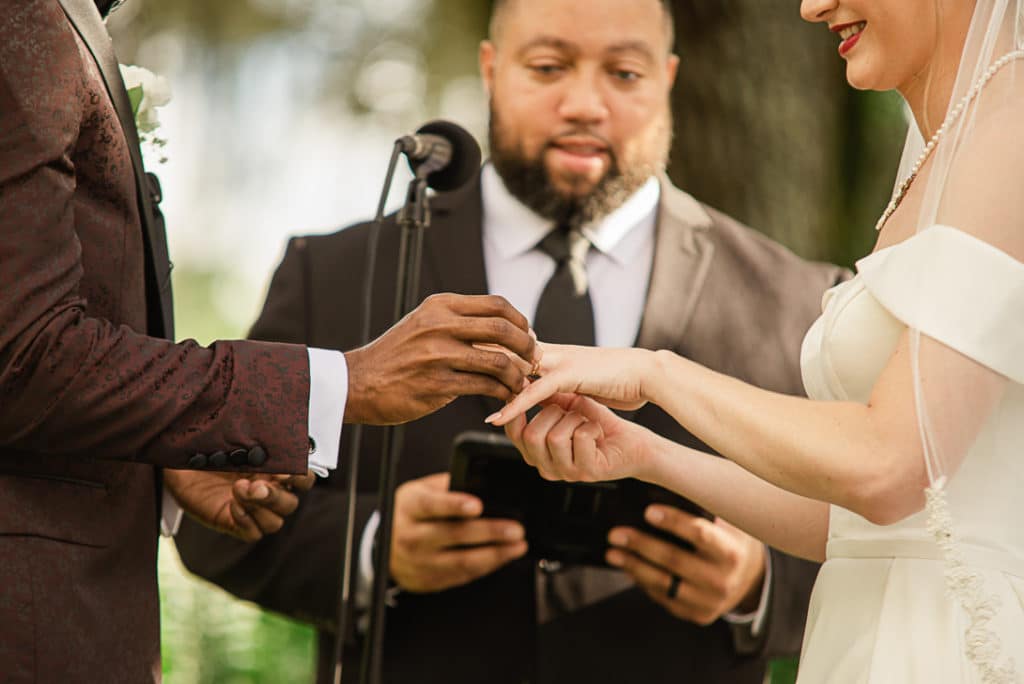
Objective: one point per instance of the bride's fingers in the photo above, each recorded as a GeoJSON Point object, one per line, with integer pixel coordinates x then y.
{"type": "Point", "coordinates": [537, 392]}
{"type": "Point", "coordinates": [560, 445]}
{"type": "Point", "coordinates": [564, 400]}
{"type": "Point", "coordinates": [514, 431]}
{"type": "Point", "coordinates": [584, 447]}
{"type": "Point", "coordinates": [535, 436]}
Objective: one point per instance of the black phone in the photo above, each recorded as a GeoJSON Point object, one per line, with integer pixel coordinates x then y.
{"type": "Point", "coordinates": [566, 522]}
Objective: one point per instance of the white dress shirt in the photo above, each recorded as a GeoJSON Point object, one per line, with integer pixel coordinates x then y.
{"type": "Point", "coordinates": [618, 268]}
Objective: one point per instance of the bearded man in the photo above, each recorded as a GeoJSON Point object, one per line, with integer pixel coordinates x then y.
{"type": "Point", "coordinates": [574, 222]}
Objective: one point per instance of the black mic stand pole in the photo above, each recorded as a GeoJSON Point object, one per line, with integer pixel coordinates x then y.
{"type": "Point", "coordinates": [413, 219]}
{"type": "Point", "coordinates": [345, 608]}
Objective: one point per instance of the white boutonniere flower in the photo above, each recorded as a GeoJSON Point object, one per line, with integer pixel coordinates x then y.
{"type": "Point", "coordinates": [146, 92]}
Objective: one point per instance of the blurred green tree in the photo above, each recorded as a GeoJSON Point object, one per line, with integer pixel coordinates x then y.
{"type": "Point", "coordinates": [767, 129]}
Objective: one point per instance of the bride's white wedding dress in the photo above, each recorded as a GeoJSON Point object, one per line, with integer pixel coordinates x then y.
{"type": "Point", "coordinates": [881, 610]}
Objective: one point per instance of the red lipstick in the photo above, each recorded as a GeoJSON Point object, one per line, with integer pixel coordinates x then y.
{"type": "Point", "coordinates": [848, 44]}
{"type": "Point", "coordinates": [851, 41]}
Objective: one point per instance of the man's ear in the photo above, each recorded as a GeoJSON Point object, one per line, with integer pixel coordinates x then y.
{"type": "Point", "coordinates": [673, 70]}
{"type": "Point", "coordinates": [486, 58]}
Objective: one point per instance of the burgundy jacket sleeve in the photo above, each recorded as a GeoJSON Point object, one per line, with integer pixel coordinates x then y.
{"type": "Point", "coordinates": [76, 374]}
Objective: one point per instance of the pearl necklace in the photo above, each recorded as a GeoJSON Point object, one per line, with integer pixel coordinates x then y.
{"type": "Point", "coordinates": [953, 115]}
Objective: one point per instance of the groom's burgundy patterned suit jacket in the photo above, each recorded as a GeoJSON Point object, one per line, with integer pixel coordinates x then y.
{"type": "Point", "coordinates": [90, 406]}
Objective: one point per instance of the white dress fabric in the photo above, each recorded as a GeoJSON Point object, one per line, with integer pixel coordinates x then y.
{"type": "Point", "coordinates": [881, 611]}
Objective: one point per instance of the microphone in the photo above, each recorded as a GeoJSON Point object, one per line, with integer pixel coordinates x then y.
{"type": "Point", "coordinates": [442, 152]}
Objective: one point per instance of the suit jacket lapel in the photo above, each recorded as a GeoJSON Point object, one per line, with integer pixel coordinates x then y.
{"type": "Point", "coordinates": [87, 21]}
{"type": "Point", "coordinates": [682, 257]}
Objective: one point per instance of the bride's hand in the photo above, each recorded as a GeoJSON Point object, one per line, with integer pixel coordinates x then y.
{"type": "Point", "coordinates": [578, 440]}
{"type": "Point", "coordinates": [613, 377]}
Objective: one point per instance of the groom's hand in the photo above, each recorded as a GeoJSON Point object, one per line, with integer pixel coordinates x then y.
{"type": "Point", "coordinates": [724, 572]}
{"type": "Point", "coordinates": [428, 359]}
{"type": "Point", "coordinates": [244, 506]}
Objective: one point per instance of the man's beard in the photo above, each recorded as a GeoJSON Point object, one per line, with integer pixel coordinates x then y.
{"type": "Point", "coordinates": [530, 182]}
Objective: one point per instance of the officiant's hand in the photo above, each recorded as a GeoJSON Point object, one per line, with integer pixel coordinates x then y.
{"type": "Point", "coordinates": [432, 356]}
{"type": "Point", "coordinates": [440, 541]}
{"type": "Point", "coordinates": [613, 377]}
{"type": "Point", "coordinates": [724, 573]}
{"type": "Point", "coordinates": [244, 506]}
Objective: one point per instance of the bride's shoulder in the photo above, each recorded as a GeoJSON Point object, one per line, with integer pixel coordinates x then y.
{"type": "Point", "coordinates": [984, 196]}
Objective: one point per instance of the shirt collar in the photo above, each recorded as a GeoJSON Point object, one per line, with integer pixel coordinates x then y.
{"type": "Point", "coordinates": [514, 229]}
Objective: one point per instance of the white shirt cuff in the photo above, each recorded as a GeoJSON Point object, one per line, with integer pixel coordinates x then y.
{"type": "Point", "coordinates": [364, 573]}
{"type": "Point", "coordinates": [170, 514]}
{"type": "Point", "coordinates": [364, 565]}
{"type": "Point", "coordinates": [328, 392]}
{"type": "Point", "coordinates": [756, 618]}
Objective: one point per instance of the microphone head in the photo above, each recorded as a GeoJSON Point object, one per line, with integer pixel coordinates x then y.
{"type": "Point", "coordinates": [465, 158]}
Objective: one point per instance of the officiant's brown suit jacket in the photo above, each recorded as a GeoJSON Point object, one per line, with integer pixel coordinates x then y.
{"type": "Point", "coordinates": [90, 407]}
{"type": "Point", "coordinates": [720, 294]}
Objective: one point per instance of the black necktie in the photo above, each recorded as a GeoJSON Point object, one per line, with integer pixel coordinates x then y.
{"type": "Point", "coordinates": [565, 314]}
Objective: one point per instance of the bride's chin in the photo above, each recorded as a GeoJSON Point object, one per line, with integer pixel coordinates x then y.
{"type": "Point", "coordinates": [860, 80]}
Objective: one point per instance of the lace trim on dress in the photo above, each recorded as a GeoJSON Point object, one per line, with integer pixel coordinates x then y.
{"type": "Point", "coordinates": [965, 585]}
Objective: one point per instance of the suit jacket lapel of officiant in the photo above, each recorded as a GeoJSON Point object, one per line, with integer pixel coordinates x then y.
{"type": "Point", "coordinates": [87, 21]}
{"type": "Point", "coordinates": [682, 257]}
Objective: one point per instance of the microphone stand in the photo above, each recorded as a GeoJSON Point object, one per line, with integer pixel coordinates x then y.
{"type": "Point", "coordinates": [413, 219]}
{"type": "Point", "coordinates": [352, 475]}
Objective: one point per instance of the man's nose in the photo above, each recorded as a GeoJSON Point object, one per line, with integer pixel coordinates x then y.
{"type": "Point", "coordinates": [583, 101]}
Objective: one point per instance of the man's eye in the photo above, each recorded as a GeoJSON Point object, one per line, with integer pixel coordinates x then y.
{"type": "Point", "coordinates": [626, 75]}
{"type": "Point", "coordinates": [546, 69]}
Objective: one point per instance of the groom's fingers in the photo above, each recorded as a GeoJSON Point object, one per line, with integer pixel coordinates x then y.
{"type": "Point", "coordinates": [245, 528]}
{"type": "Point", "coordinates": [268, 495]}
{"type": "Point", "coordinates": [296, 483]}
{"type": "Point", "coordinates": [493, 364]}
{"type": "Point", "coordinates": [490, 318]}
{"type": "Point", "coordinates": [499, 332]}
{"type": "Point", "coordinates": [524, 367]}
{"type": "Point", "coordinates": [267, 521]}
{"type": "Point", "coordinates": [487, 305]}
{"type": "Point", "coordinates": [465, 383]}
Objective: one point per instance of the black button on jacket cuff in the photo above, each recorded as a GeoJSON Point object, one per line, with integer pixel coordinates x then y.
{"type": "Point", "coordinates": [257, 456]}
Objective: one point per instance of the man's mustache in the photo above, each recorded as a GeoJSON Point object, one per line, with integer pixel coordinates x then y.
{"type": "Point", "coordinates": [578, 137]}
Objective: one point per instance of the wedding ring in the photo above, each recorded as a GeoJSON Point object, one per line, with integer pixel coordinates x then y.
{"type": "Point", "coordinates": [673, 587]}
{"type": "Point", "coordinates": [537, 358]}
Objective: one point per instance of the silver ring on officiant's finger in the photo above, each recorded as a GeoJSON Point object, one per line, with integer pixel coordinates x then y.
{"type": "Point", "coordinates": [673, 587]}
